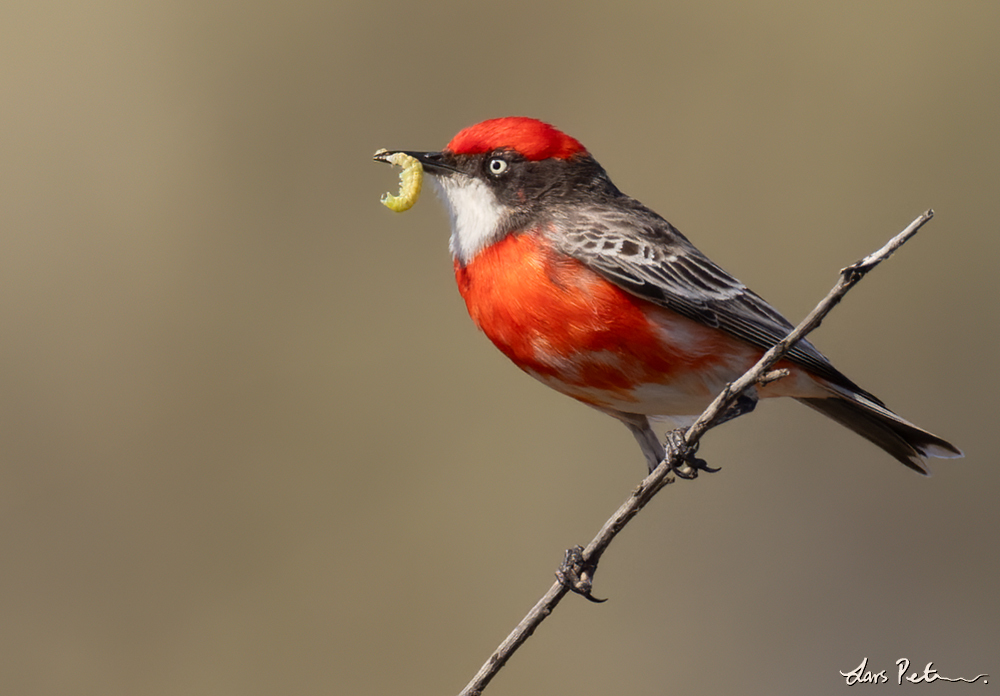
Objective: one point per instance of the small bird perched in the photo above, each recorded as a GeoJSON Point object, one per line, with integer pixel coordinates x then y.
{"type": "Point", "coordinates": [600, 298]}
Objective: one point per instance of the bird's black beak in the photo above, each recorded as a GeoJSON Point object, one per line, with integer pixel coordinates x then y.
{"type": "Point", "coordinates": [433, 162]}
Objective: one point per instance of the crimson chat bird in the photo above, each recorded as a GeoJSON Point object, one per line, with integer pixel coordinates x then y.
{"type": "Point", "coordinates": [597, 296]}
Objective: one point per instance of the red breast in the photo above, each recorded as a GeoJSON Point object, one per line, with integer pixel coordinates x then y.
{"type": "Point", "coordinates": [561, 322]}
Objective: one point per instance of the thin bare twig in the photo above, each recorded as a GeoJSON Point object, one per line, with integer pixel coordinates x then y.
{"type": "Point", "coordinates": [679, 447]}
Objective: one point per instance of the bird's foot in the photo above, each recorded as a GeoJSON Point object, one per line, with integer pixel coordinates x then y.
{"type": "Point", "coordinates": [577, 575]}
{"type": "Point", "coordinates": [690, 465]}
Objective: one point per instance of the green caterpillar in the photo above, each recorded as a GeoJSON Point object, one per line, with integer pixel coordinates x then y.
{"type": "Point", "coordinates": [411, 179]}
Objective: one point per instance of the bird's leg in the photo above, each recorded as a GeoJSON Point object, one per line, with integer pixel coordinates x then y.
{"type": "Point", "coordinates": [644, 434]}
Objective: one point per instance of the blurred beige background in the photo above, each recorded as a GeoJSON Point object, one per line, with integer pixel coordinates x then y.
{"type": "Point", "coordinates": [252, 444]}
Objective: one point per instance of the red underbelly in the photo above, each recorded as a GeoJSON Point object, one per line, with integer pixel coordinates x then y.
{"type": "Point", "coordinates": [564, 324]}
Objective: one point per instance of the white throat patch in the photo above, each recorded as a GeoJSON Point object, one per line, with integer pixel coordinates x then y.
{"type": "Point", "coordinates": [475, 214]}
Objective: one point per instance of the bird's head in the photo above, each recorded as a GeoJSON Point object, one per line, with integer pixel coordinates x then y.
{"type": "Point", "coordinates": [507, 175]}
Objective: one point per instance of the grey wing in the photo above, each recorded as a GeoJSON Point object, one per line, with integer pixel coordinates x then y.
{"type": "Point", "coordinates": [657, 263]}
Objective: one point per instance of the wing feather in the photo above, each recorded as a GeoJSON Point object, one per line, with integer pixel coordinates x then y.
{"type": "Point", "coordinates": [653, 260]}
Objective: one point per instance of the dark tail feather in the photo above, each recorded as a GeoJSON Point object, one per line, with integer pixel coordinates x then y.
{"type": "Point", "coordinates": [903, 440]}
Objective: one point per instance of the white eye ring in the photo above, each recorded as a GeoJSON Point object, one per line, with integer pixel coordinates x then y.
{"type": "Point", "coordinates": [497, 166]}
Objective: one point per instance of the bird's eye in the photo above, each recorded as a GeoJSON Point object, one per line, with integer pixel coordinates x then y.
{"type": "Point", "coordinates": [497, 166]}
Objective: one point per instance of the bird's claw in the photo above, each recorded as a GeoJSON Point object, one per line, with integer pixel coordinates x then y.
{"type": "Point", "coordinates": [577, 575]}
{"type": "Point", "coordinates": [690, 465]}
